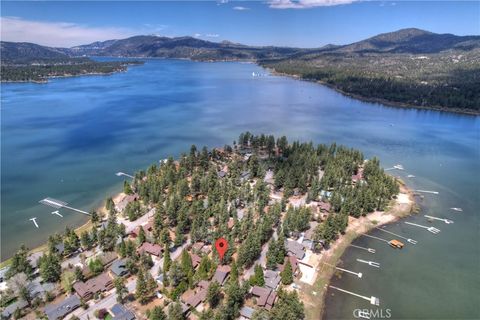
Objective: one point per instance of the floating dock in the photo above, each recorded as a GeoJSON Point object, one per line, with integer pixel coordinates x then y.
{"type": "Point", "coordinates": [363, 248]}
{"type": "Point", "coordinates": [447, 221]}
{"type": "Point", "coordinates": [370, 263]}
{"type": "Point", "coordinates": [57, 204]}
{"type": "Point", "coordinates": [457, 209]}
{"type": "Point", "coordinates": [358, 274]}
{"type": "Point", "coordinates": [373, 300]}
{"type": "Point", "coordinates": [397, 235]}
{"type": "Point", "coordinates": [427, 191]}
{"type": "Point", "coordinates": [431, 229]}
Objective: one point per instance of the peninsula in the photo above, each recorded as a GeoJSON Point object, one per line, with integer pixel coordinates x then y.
{"type": "Point", "coordinates": [285, 209]}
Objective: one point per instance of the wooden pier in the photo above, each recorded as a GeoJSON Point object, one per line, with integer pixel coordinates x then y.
{"type": "Point", "coordinates": [427, 191]}
{"type": "Point", "coordinates": [370, 263]}
{"type": "Point", "coordinates": [358, 274]}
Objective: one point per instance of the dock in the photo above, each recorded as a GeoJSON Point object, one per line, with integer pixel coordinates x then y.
{"type": "Point", "coordinates": [376, 238]}
{"type": "Point", "coordinates": [358, 274]}
{"type": "Point", "coordinates": [427, 191]}
{"type": "Point", "coordinates": [397, 235]}
{"type": "Point", "coordinates": [119, 174]}
{"type": "Point", "coordinates": [370, 263]}
{"type": "Point", "coordinates": [57, 204]}
{"type": "Point", "coordinates": [431, 229]}
{"type": "Point", "coordinates": [373, 300]}
{"type": "Point", "coordinates": [363, 248]}
{"type": "Point", "coordinates": [34, 220]}
{"type": "Point", "coordinates": [447, 221]}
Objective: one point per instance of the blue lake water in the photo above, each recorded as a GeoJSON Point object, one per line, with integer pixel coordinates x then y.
{"type": "Point", "coordinates": [67, 139]}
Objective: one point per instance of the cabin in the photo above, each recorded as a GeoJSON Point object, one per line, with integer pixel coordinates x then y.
{"type": "Point", "coordinates": [120, 312]}
{"type": "Point", "coordinates": [221, 274]}
{"type": "Point", "coordinates": [246, 313]}
{"type": "Point", "coordinates": [195, 260]}
{"type": "Point", "coordinates": [296, 249]}
{"type": "Point", "coordinates": [265, 297]}
{"type": "Point", "coordinates": [86, 290]}
{"type": "Point", "coordinates": [150, 248]}
{"type": "Point", "coordinates": [119, 268]}
{"type": "Point", "coordinates": [272, 279]}
{"type": "Point", "coordinates": [59, 310]}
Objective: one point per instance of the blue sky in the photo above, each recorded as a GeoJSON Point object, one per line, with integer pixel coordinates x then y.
{"type": "Point", "coordinates": [301, 23]}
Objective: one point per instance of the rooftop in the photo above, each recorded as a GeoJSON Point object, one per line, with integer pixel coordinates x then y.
{"type": "Point", "coordinates": [61, 309]}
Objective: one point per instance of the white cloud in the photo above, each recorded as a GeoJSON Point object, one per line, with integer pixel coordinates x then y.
{"type": "Point", "coordinates": [57, 34]}
{"type": "Point", "coordinates": [212, 35]}
{"type": "Point", "coordinates": [305, 4]}
{"type": "Point", "coordinates": [240, 8]}
{"type": "Point", "coordinates": [197, 35]}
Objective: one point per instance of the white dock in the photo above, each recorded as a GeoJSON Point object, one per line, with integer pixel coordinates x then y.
{"type": "Point", "coordinates": [373, 237]}
{"type": "Point", "coordinates": [358, 274]}
{"type": "Point", "coordinates": [427, 191]}
{"type": "Point", "coordinates": [34, 220]}
{"type": "Point", "coordinates": [457, 209]}
{"type": "Point", "coordinates": [119, 174]}
{"type": "Point", "coordinates": [397, 235]}
{"type": "Point", "coordinates": [57, 204]}
{"type": "Point", "coordinates": [373, 300]}
{"type": "Point", "coordinates": [447, 221]}
{"type": "Point", "coordinates": [363, 248]}
{"type": "Point", "coordinates": [431, 229]}
{"type": "Point", "coordinates": [57, 213]}
{"type": "Point", "coordinates": [370, 263]}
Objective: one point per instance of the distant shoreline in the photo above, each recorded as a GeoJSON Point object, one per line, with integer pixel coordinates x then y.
{"type": "Point", "coordinates": [374, 99]}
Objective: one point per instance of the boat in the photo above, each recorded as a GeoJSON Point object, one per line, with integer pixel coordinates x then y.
{"type": "Point", "coordinates": [457, 209]}
{"type": "Point", "coordinates": [410, 176]}
{"type": "Point", "coordinates": [398, 166]}
{"type": "Point", "coordinates": [396, 244]}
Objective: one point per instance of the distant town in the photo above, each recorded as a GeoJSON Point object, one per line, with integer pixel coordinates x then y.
{"type": "Point", "coordinates": [287, 211]}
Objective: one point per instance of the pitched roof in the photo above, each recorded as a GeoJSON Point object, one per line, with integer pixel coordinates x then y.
{"type": "Point", "coordinates": [266, 296]}
{"type": "Point", "coordinates": [61, 309]}
{"type": "Point", "coordinates": [150, 248]}
{"type": "Point", "coordinates": [120, 312]}
{"type": "Point", "coordinates": [119, 267]}
{"type": "Point", "coordinates": [195, 260]}
{"type": "Point", "coordinates": [101, 283]}
{"type": "Point", "coordinates": [10, 309]}
{"type": "Point", "coordinates": [221, 273]}
{"type": "Point", "coordinates": [296, 249]}
{"type": "Point", "coordinates": [247, 312]}
{"type": "Point", "coordinates": [107, 257]}
{"type": "Point", "coordinates": [272, 279]}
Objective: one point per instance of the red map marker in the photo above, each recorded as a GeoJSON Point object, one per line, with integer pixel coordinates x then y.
{"type": "Point", "coordinates": [221, 245]}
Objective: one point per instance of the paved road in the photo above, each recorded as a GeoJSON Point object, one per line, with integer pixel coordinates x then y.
{"type": "Point", "coordinates": [262, 261]}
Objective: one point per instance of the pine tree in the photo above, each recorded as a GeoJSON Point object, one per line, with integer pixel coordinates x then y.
{"type": "Point", "coordinates": [120, 289]}
{"type": "Point", "coordinates": [175, 311]}
{"type": "Point", "coordinates": [213, 294]}
{"type": "Point", "coordinates": [141, 235]}
{"type": "Point", "coordinates": [157, 314]}
{"type": "Point", "coordinates": [141, 290]}
{"type": "Point", "coordinates": [258, 278]}
{"type": "Point", "coordinates": [50, 268]}
{"type": "Point", "coordinates": [167, 261]}
{"type": "Point", "coordinates": [287, 275]}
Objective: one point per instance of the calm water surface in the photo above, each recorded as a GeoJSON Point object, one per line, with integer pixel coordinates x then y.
{"type": "Point", "coordinates": [66, 139]}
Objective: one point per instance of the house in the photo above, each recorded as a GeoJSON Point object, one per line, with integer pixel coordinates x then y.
{"type": "Point", "coordinates": [38, 289]}
{"type": "Point", "coordinates": [308, 237]}
{"type": "Point", "coordinates": [296, 249]}
{"type": "Point", "coordinates": [59, 310]}
{"type": "Point", "coordinates": [293, 263]}
{"type": "Point", "coordinates": [195, 260]}
{"type": "Point", "coordinates": [244, 175]}
{"type": "Point", "coordinates": [272, 279]}
{"type": "Point", "coordinates": [246, 313]}
{"type": "Point", "coordinates": [120, 312]}
{"type": "Point", "coordinates": [221, 174]}
{"type": "Point", "coordinates": [11, 308]}
{"type": "Point", "coordinates": [119, 268]}
{"type": "Point", "coordinates": [107, 258]}
{"type": "Point", "coordinates": [221, 274]}
{"type": "Point", "coordinates": [59, 248]}
{"type": "Point", "coordinates": [265, 297]}
{"type": "Point", "coordinates": [150, 248]}
{"type": "Point", "coordinates": [86, 290]}
{"type": "Point", "coordinates": [122, 204]}
{"type": "Point", "coordinates": [33, 259]}
{"type": "Point", "coordinates": [194, 298]}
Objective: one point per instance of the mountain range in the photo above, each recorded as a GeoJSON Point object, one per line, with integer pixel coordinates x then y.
{"type": "Point", "coordinates": [408, 67]}
{"type": "Point", "coordinates": [412, 41]}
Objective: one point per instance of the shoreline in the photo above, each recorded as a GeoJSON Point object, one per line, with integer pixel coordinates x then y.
{"type": "Point", "coordinates": [385, 102]}
{"type": "Point", "coordinates": [314, 295]}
